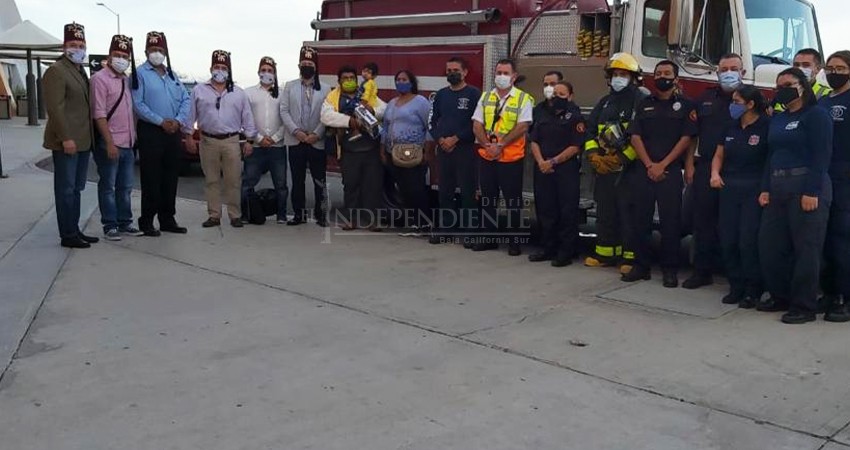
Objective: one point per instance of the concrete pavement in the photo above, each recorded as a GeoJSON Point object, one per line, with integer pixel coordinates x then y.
{"type": "Point", "coordinates": [295, 338]}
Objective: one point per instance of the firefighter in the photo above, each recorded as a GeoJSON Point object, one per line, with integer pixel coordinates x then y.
{"type": "Point", "coordinates": [556, 143]}
{"type": "Point", "coordinates": [713, 121]}
{"type": "Point", "coordinates": [609, 152]}
{"type": "Point", "coordinates": [796, 197]}
{"type": "Point", "coordinates": [500, 124]}
{"type": "Point", "coordinates": [836, 275]}
{"type": "Point", "coordinates": [661, 133]}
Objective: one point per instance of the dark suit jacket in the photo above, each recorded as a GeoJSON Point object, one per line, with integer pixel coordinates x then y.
{"type": "Point", "coordinates": [66, 95]}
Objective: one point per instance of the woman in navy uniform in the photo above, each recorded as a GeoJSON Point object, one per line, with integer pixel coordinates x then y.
{"type": "Point", "coordinates": [796, 195]}
{"type": "Point", "coordinates": [836, 277]}
{"type": "Point", "coordinates": [555, 142]}
{"type": "Point", "coordinates": [736, 170]}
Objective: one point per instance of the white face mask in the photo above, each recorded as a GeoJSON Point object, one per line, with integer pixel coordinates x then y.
{"type": "Point", "coordinates": [548, 92]}
{"type": "Point", "coordinates": [219, 76]}
{"type": "Point", "coordinates": [619, 83]}
{"type": "Point", "coordinates": [156, 58]}
{"type": "Point", "coordinates": [119, 64]}
{"type": "Point", "coordinates": [76, 55]}
{"type": "Point", "coordinates": [807, 71]}
{"type": "Point", "coordinates": [503, 81]}
{"type": "Point", "coordinates": [267, 78]}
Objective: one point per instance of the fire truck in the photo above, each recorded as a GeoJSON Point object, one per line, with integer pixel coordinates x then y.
{"type": "Point", "coordinates": [575, 37]}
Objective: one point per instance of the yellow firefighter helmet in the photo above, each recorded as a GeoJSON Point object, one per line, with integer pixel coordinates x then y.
{"type": "Point", "coordinates": [623, 61]}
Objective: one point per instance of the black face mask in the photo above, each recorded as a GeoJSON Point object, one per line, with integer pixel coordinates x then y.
{"type": "Point", "coordinates": [786, 95]}
{"type": "Point", "coordinates": [560, 105]}
{"type": "Point", "coordinates": [837, 80]}
{"type": "Point", "coordinates": [307, 72]}
{"type": "Point", "coordinates": [454, 78]}
{"type": "Point", "coordinates": [664, 84]}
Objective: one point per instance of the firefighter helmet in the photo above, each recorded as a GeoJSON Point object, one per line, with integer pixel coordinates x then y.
{"type": "Point", "coordinates": [623, 61]}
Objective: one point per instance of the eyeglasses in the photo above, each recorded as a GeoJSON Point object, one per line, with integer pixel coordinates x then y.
{"type": "Point", "coordinates": [836, 69]}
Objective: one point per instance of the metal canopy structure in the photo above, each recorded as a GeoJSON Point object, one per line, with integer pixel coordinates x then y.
{"type": "Point", "coordinates": [27, 40]}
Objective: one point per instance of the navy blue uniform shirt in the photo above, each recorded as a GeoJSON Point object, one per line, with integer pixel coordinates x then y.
{"type": "Point", "coordinates": [745, 149]}
{"type": "Point", "coordinates": [451, 113]}
{"type": "Point", "coordinates": [555, 131]}
{"type": "Point", "coordinates": [802, 139]}
{"type": "Point", "coordinates": [839, 110]}
{"type": "Point", "coordinates": [714, 120]}
{"type": "Point", "coordinates": [662, 123]}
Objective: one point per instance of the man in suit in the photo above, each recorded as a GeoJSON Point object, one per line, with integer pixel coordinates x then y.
{"type": "Point", "coordinates": [69, 133]}
{"type": "Point", "coordinates": [301, 109]}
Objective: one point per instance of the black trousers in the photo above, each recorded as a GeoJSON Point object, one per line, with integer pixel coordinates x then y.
{"type": "Point", "coordinates": [414, 193]}
{"type": "Point", "coordinates": [643, 194]}
{"type": "Point", "coordinates": [791, 241]}
{"type": "Point", "coordinates": [705, 218]}
{"type": "Point", "coordinates": [362, 181]}
{"type": "Point", "coordinates": [609, 228]}
{"type": "Point", "coordinates": [159, 165]}
{"type": "Point", "coordinates": [457, 170]}
{"type": "Point", "coordinates": [301, 157]}
{"type": "Point", "coordinates": [496, 177]}
{"type": "Point", "coordinates": [556, 198]}
{"type": "Point", "coordinates": [835, 277]}
{"type": "Point", "coordinates": [739, 220]}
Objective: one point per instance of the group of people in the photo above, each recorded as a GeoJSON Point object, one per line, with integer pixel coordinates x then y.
{"type": "Point", "coordinates": [770, 181]}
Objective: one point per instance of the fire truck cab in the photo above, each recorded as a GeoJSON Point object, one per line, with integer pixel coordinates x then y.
{"type": "Point", "coordinates": [575, 37]}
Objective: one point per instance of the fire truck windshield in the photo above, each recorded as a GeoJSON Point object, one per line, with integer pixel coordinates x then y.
{"type": "Point", "coordinates": [778, 29]}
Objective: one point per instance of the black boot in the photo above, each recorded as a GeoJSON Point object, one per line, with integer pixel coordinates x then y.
{"type": "Point", "coordinates": [798, 317]}
{"type": "Point", "coordinates": [735, 295]}
{"type": "Point", "coordinates": [541, 255]}
{"type": "Point", "coordinates": [771, 304]}
{"type": "Point", "coordinates": [837, 311]}
{"type": "Point", "coordinates": [698, 280]}
{"type": "Point", "coordinates": [670, 279]}
{"type": "Point", "coordinates": [636, 274]}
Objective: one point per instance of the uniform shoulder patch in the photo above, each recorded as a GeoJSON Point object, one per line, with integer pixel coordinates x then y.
{"type": "Point", "coordinates": [580, 127]}
{"type": "Point", "coordinates": [693, 115]}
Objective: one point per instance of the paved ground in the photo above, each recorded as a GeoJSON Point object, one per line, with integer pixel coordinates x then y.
{"type": "Point", "coordinates": [296, 338]}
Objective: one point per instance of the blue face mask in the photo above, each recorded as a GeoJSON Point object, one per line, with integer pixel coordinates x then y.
{"type": "Point", "coordinates": [76, 55]}
{"type": "Point", "coordinates": [737, 110]}
{"type": "Point", "coordinates": [403, 87]}
{"type": "Point", "coordinates": [729, 81]}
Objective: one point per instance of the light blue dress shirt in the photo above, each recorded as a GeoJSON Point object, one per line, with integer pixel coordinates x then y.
{"type": "Point", "coordinates": [159, 97]}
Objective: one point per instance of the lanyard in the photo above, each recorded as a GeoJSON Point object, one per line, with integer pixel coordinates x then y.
{"type": "Point", "coordinates": [498, 114]}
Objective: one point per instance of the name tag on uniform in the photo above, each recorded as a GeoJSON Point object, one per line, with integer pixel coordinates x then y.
{"type": "Point", "coordinates": [792, 125]}
{"type": "Point", "coordinates": [754, 139]}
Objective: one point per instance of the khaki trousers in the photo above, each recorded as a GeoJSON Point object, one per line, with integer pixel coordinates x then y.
{"type": "Point", "coordinates": [221, 160]}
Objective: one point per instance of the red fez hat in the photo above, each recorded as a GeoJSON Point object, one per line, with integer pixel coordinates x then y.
{"type": "Point", "coordinates": [268, 61]}
{"type": "Point", "coordinates": [75, 32]}
{"type": "Point", "coordinates": [121, 43]}
{"type": "Point", "coordinates": [309, 54]}
{"type": "Point", "coordinates": [156, 39]}
{"type": "Point", "coordinates": [221, 57]}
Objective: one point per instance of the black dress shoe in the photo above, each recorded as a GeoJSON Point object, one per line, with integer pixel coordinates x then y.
{"type": "Point", "coordinates": [698, 280]}
{"type": "Point", "coordinates": [747, 302]}
{"type": "Point", "coordinates": [468, 244]}
{"type": "Point", "coordinates": [75, 242]}
{"type": "Point", "coordinates": [837, 311]}
{"type": "Point", "coordinates": [514, 250]}
{"type": "Point", "coordinates": [561, 261]}
{"type": "Point", "coordinates": [481, 247]}
{"type": "Point", "coordinates": [89, 239]}
{"type": "Point", "coordinates": [735, 295]}
{"type": "Point", "coordinates": [295, 221]}
{"type": "Point", "coordinates": [798, 317]}
{"type": "Point", "coordinates": [236, 223]}
{"type": "Point", "coordinates": [636, 274]}
{"type": "Point", "coordinates": [541, 256]}
{"type": "Point", "coordinates": [670, 280]}
{"type": "Point", "coordinates": [174, 228]}
{"type": "Point", "coordinates": [825, 301]}
{"type": "Point", "coordinates": [150, 232]}
{"type": "Point", "coordinates": [771, 304]}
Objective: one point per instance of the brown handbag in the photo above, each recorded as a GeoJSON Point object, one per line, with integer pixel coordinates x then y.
{"type": "Point", "coordinates": [405, 155]}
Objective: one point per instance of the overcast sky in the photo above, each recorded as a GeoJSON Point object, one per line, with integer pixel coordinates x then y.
{"type": "Point", "coordinates": [250, 29]}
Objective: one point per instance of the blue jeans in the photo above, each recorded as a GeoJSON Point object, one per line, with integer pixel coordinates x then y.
{"type": "Point", "coordinates": [114, 187]}
{"type": "Point", "coordinates": [69, 179]}
{"type": "Point", "coordinates": [262, 160]}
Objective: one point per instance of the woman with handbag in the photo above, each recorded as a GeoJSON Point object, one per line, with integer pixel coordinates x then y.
{"type": "Point", "coordinates": [405, 135]}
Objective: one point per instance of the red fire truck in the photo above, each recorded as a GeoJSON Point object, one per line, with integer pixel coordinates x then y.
{"type": "Point", "coordinates": [573, 36]}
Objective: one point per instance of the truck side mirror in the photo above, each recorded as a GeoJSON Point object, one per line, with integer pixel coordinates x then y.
{"type": "Point", "coordinates": [680, 33]}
